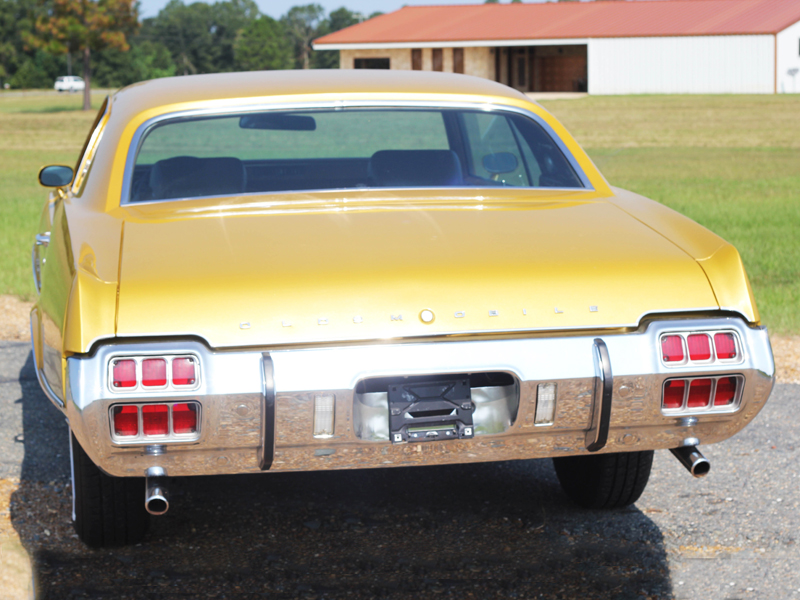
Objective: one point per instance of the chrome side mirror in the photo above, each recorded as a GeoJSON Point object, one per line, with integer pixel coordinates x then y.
{"type": "Point", "coordinates": [56, 176]}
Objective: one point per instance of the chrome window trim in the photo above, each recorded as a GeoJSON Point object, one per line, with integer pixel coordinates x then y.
{"type": "Point", "coordinates": [87, 158]}
{"type": "Point", "coordinates": [139, 134]}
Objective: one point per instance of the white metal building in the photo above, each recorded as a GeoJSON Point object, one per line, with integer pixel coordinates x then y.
{"type": "Point", "coordinates": [603, 47]}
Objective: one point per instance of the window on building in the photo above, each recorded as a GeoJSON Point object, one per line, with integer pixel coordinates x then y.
{"type": "Point", "coordinates": [416, 59]}
{"type": "Point", "coordinates": [371, 63]}
{"type": "Point", "coordinates": [438, 59]}
{"type": "Point", "coordinates": [458, 60]}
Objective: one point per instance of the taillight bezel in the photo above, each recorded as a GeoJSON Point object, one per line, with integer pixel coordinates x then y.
{"type": "Point", "coordinates": [140, 387]}
{"type": "Point", "coordinates": [710, 408]}
{"type": "Point", "coordinates": [169, 437]}
{"type": "Point", "coordinates": [713, 361]}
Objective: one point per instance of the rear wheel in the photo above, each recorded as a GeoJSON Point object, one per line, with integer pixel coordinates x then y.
{"type": "Point", "coordinates": [604, 480]}
{"type": "Point", "coordinates": [109, 511]}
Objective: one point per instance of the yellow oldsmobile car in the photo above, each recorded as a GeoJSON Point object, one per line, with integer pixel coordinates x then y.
{"type": "Point", "coordinates": [300, 271]}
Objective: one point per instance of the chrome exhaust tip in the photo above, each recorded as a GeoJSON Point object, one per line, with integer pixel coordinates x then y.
{"type": "Point", "coordinates": [694, 461]}
{"type": "Point", "coordinates": [156, 496]}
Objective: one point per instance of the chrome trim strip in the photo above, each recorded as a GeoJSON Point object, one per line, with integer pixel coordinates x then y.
{"type": "Point", "coordinates": [71, 470]}
{"type": "Point", "coordinates": [42, 239]}
{"type": "Point", "coordinates": [266, 452]}
{"type": "Point", "coordinates": [91, 148]}
{"type": "Point", "coordinates": [48, 391]}
{"type": "Point", "coordinates": [140, 132]}
{"type": "Point", "coordinates": [597, 436]}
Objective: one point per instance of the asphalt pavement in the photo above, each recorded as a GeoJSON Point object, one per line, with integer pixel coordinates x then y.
{"type": "Point", "coordinates": [501, 530]}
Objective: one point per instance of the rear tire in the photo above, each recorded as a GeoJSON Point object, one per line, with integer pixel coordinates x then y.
{"type": "Point", "coordinates": [604, 481]}
{"type": "Point", "coordinates": [109, 511]}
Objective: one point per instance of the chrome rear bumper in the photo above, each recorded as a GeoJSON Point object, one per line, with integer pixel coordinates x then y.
{"type": "Point", "coordinates": [258, 407]}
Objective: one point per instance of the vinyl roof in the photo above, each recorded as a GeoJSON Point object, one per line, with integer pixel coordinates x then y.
{"type": "Point", "coordinates": [569, 20]}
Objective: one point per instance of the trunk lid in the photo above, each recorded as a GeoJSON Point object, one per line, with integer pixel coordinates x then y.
{"type": "Point", "coordinates": [259, 275]}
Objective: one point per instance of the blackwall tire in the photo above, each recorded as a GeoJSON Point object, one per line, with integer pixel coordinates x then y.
{"type": "Point", "coordinates": [109, 511]}
{"type": "Point", "coordinates": [604, 481]}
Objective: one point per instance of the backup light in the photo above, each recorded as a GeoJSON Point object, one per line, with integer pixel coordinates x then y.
{"type": "Point", "coordinates": [154, 372]}
{"type": "Point", "coordinates": [545, 404]}
{"type": "Point", "coordinates": [124, 374]}
{"type": "Point", "coordinates": [672, 348]}
{"type": "Point", "coordinates": [155, 419]}
{"type": "Point", "coordinates": [126, 420]}
{"type": "Point", "coordinates": [725, 344]}
{"type": "Point", "coordinates": [324, 415]}
{"type": "Point", "coordinates": [699, 346]}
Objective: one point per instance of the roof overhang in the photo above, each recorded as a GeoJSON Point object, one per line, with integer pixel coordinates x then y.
{"type": "Point", "coordinates": [453, 44]}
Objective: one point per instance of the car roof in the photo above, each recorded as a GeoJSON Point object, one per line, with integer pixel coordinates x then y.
{"type": "Point", "coordinates": [148, 95]}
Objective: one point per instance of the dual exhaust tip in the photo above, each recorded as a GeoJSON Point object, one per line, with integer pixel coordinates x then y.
{"type": "Point", "coordinates": [694, 461]}
{"type": "Point", "coordinates": [156, 495]}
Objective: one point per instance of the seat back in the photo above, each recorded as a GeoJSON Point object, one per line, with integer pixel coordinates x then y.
{"type": "Point", "coordinates": [188, 176]}
{"type": "Point", "coordinates": [415, 168]}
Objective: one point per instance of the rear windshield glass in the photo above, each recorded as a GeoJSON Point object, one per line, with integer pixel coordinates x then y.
{"type": "Point", "coordinates": [346, 149]}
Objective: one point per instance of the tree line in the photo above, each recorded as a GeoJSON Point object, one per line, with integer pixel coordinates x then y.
{"type": "Point", "coordinates": [44, 39]}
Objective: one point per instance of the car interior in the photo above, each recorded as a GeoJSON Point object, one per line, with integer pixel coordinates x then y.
{"type": "Point", "coordinates": [471, 150]}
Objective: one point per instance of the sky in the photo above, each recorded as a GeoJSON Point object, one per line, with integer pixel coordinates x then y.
{"type": "Point", "coordinates": [277, 8]}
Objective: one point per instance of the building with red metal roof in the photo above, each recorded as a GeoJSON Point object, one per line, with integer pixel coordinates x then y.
{"type": "Point", "coordinates": [603, 47]}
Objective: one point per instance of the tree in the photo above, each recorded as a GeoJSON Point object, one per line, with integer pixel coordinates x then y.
{"type": "Point", "coordinates": [262, 45]}
{"type": "Point", "coordinates": [16, 23]}
{"type": "Point", "coordinates": [301, 23]}
{"type": "Point", "coordinates": [85, 26]}
{"type": "Point", "coordinates": [201, 37]}
{"type": "Point", "coordinates": [146, 60]}
{"type": "Point", "coordinates": [338, 19]}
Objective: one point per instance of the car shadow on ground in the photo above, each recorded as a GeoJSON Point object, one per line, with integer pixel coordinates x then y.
{"type": "Point", "coordinates": [501, 530]}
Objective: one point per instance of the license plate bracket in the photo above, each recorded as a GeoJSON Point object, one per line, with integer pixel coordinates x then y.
{"type": "Point", "coordinates": [431, 409]}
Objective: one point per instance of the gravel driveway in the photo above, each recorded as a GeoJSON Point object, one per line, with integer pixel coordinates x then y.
{"type": "Point", "coordinates": [499, 530]}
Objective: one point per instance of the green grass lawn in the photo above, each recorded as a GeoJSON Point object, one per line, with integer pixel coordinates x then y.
{"type": "Point", "coordinates": [36, 128]}
{"type": "Point", "coordinates": [732, 163]}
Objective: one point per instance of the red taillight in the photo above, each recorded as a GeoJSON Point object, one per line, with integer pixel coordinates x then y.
{"type": "Point", "coordinates": [726, 391]}
{"type": "Point", "coordinates": [699, 393]}
{"type": "Point", "coordinates": [699, 346]}
{"type": "Point", "coordinates": [124, 373]}
{"type": "Point", "coordinates": [184, 418]}
{"type": "Point", "coordinates": [126, 420]}
{"type": "Point", "coordinates": [673, 393]}
{"type": "Point", "coordinates": [725, 344]}
{"type": "Point", "coordinates": [154, 372]}
{"type": "Point", "coordinates": [183, 371]}
{"type": "Point", "coordinates": [672, 348]}
{"type": "Point", "coordinates": [155, 419]}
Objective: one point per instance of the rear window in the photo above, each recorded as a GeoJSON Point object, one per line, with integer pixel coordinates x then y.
{"type": "Point", "coordinates": [344, 149]}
